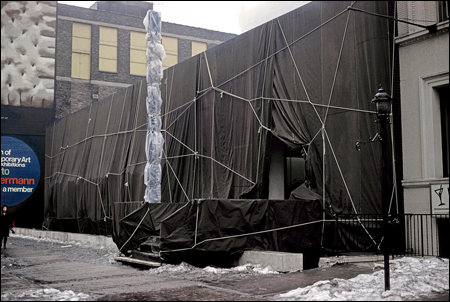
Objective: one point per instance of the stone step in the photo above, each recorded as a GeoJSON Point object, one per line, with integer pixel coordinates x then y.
{"type": "Point", "coordinates": [138, 261]}
{"type": "Point", "coordinates": [279, 261]}
{"type": "Point", "coordinates": [146, 256]}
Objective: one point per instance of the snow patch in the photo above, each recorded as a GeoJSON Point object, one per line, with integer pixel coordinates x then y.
{"type": "Point", "coordinates": [209, 273]}
{"type": "Point", "coordinates": [47, 294]}
{"type": "Point", "coordinates": [410, 279]}
{"type": "Point", "coordinates": [183, 268]}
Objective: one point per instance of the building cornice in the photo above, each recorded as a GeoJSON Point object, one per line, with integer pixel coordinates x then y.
{"type": "Point", "coordinates": [423, 183]}
{"type": "Point", "coordinates": [442, 28]}
{"type": "Point", "coordinates": [94, 82]}
{"type": "Point", "coordinates": [136, 29]}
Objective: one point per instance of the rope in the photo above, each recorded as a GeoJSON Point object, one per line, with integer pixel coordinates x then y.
{"type": "Point", "coordinates": [209, 71]}
{"type": "Point", "coordinates": [72, 175]}
{"type": "Point", "coordinates": [283, 48]}
{"type": "Point", "coordinates": [346, 187]}
{"type": "Point", "coordinates": [337, 68]}
{"type": "Point", "coordinates": [179, 141]}
{"type": "Point", "coordinates": [241, 98]}
{"type": "Point", "coordinates": [241, 235]}
{"type": "Point", "coordinates": [91, 137]}
{"type": "Point", "coordinates": [204, 156]}
{"type": "Point", "coordinates": [200, 93]}
{"type": "Point", "coordinates": [181, 114]}
{"type": "Point", "coordinates": [117, 137]}
{"type": "Point", "coordinates": [101, 157]}
{"type": "Point", "coordinates": [165, 126]}
{"type": "Point", "coordinates": [262, 105]}
{"type": "Point", "coordinates": [325, 119]}
{"type": "Point", "coordinates": [394, 168]}
{"type": "Point", "coordinates": [298, 72]}
{"type": "Point", "coordinates": [135, 230]}
{"type": "Point", "coordinates": [174, 174]}
{"type": "Point", "coordinates": [212, 132]}
{"type": "Point", "coordinates": [195, 129]}
{"type": "Point", "coordinates": [322, 105]}
{"type": "Point", "coordinates": [187, 103]}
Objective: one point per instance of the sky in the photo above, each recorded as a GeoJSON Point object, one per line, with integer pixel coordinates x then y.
{"type": "Point", "coordinates": [213, 15]}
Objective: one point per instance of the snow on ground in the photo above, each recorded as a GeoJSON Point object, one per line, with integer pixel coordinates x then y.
{"type": "Point", "coordinates": [410, 279]}
{"type": "Point", "coordinates": [89, 253]}
{"type": "Point", "coordinates": [243, 269]}
{"type": "Point", "coordinates": [63, 243]}
{"type": "Point", "coordinates": [212, 274]}
{"type": "Point", "coordinates": [48, 294]}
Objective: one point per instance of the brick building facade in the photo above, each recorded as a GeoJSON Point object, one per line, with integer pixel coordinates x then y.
{"type": "Point", "coordinates": [73, 93]}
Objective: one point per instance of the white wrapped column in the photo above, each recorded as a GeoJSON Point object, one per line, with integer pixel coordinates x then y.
{"type": "Point", "coordinates": [154, 139]}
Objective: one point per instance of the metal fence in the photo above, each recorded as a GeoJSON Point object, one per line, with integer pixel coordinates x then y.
{"type": "Point", "coordinates": [409, 234]}
{"type": "Point", "coordinates": [426, 234]}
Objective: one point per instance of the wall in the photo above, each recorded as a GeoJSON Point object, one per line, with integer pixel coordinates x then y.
{"type": "Point", "coordinates": [28, 53]}
{"type": "Point", "coordinates": [74, 94]}
{"type": "Point", "coordinates": [28, 34]}
{"type": "Point", "coordinates": [424, 65]}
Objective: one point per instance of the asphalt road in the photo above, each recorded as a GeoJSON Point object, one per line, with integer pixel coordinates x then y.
{"type": "Point", "coordinates": [93, 275]}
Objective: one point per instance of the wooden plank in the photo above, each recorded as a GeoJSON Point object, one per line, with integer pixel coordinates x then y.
{"type": "Point", "coordinates": [137, 261]}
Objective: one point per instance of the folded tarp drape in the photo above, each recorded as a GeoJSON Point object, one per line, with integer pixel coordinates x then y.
{"type": "Point", "coordinates": [305, 78]}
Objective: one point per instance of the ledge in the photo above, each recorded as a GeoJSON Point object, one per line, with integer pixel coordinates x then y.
{"type": "Point", "coordinates": [418, 36]}
{"type": "Point", "coordinates": [424, 183]}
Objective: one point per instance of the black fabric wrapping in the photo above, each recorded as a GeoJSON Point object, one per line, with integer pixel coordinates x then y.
{"type": "Point", "coordinates": [221, 110]}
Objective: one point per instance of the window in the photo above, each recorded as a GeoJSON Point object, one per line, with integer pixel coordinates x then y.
{"type": "Point", "coordinates": [171, 48]}
{"type": "Point", "coordinates": [445, 130]}
{"type": "Point", "coordinates": [198, 47]}
{"type": "Point", "coordinates": [138, 58]}
{"type": "Point", "coordinates": [433, 119]}
{"type": "Point", "coordinates": [443, 10]}
{"type": "Point", "coordinates": [107, 51]}
{"type": "Point", "coordinates": [81, 51]}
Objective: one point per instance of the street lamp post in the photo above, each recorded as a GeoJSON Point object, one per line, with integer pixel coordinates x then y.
{"type": "Point", "coordinates": [382, 101]}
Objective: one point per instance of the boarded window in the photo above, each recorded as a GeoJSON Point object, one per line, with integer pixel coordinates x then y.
{"type": "Point", "coordinates": [198, 47]}
{"type": "Point", "coordinates": [81, 51]}
{"type": "Point", "coordinates": [171, 48]}
{"type": "Point", "coordinates": [107, 49]}
{"type": "Point", "coordinates": [138, 59]}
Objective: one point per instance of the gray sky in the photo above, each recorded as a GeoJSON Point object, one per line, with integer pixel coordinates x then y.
{"type": "Point", "coordinates": [213, 15]}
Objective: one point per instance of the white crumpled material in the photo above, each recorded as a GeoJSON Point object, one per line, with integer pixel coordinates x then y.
{"type": "Point", "coordinates": [410, 279]}
{"type": "Point", "coordinates": [154, 140]}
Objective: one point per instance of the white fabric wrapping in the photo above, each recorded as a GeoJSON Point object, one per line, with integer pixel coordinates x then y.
{"type": "Point", "coordinates": [154, 140]}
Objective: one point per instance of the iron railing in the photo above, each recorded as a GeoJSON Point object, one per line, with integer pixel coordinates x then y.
{"type": "Point", "coordinates": [410, 234]}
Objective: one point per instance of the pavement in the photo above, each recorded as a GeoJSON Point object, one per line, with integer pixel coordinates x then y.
{"type": "Point", "coordinates": [29, 264]}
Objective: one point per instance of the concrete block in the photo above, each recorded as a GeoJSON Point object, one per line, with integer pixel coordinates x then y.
{"type": "Point", "coordinates": [94, 240]}
{"type": "Point", "coordinates": [279, 261]}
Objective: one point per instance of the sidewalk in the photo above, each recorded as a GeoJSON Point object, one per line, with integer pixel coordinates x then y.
{"type": "Point", "coordinates": [107, 242]}
{"type": "Point", "coordinates": [92, 240]}
{"type": "Point", "coordinates": [220, 287]}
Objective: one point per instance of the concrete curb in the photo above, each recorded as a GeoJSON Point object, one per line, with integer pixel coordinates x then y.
{"type": "Point", "coordinates": [279, 261]}
{"type": "Point", "coordinates": [331, 261]}
{"type": "Point", "coordinates": [92, 240]}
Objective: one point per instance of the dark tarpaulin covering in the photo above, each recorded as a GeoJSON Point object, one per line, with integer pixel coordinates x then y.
{"type": "Point", "coordinates": [93, 162]}
{"type": "Point", "coordinates": [226, 227]}
{"type": "Point", "coordinates": [223, 218]}
{"type": "Point", "coordinates": [340, 63]}
{"type": "Point", "coordinates": [304, 193]}
{"type": "Point", "coordinates": [142, 223]}
{"type": "Point", "coordinates": [221, 111]}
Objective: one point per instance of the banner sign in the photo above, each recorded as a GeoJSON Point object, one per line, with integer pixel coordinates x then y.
{"type": "Point", "coordinates": [20, 171]}
{"type": "Point", "coordinates": [439, 199]}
